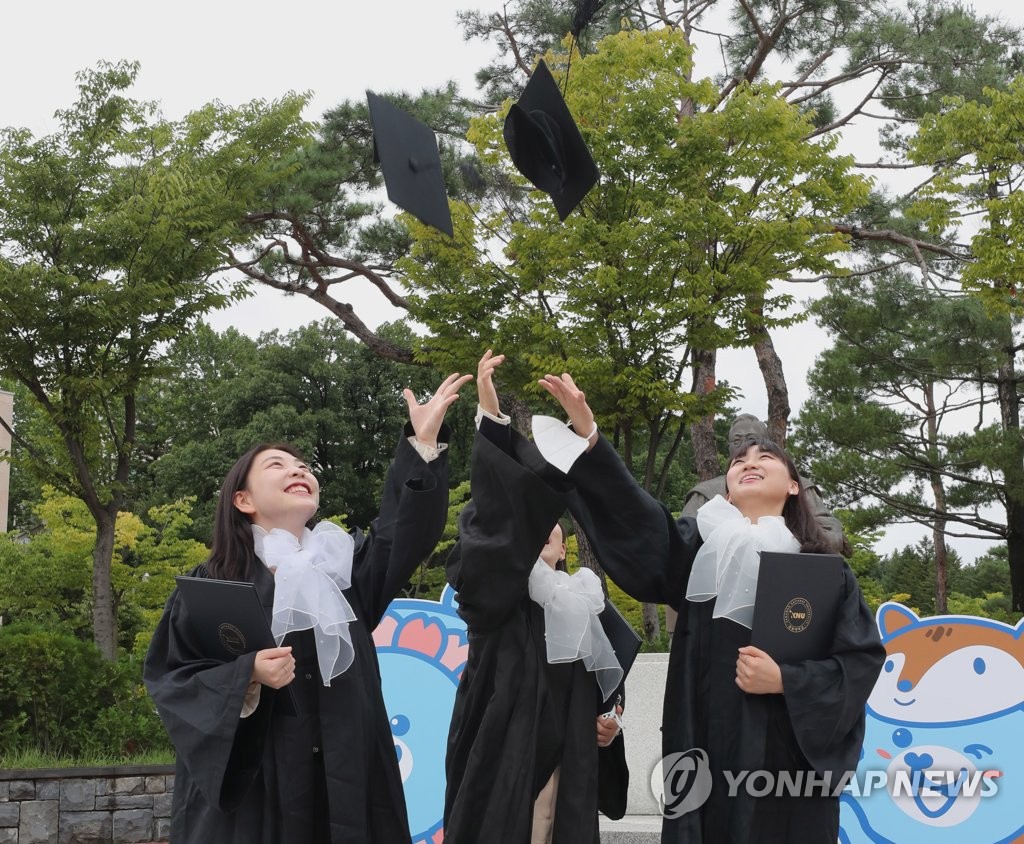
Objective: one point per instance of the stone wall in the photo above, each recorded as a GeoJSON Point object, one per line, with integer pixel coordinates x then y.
{"type": "Point", "coordinates": [126, 805]}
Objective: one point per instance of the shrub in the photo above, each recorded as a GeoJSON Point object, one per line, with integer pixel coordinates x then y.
{"type": "Point", "coordinates": [58, 696]}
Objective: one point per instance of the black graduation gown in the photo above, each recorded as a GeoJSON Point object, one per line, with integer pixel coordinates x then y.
{"type": "Point", "coordinates": [817, 724]}
{"type": "Point", "coordinates": [516, 717]}
{"type": "Point", "coordinates": [331, 773]}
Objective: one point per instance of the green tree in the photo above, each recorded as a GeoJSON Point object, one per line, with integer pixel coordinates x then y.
{"type": "Point", "coordinates": [315, 387]}
{"type": "Point", "coordinates": [45, 579]}
{"type": "Point", "coordinates": [111, 228]}
{"type": "Point", "coordinates": [989, 573]}
{"type": "Point", "coordinates": [672, 257]}
{"type": "Point", "coordinates": [883, 428]}
{"type": "Point", "coordinates": [975, 149]}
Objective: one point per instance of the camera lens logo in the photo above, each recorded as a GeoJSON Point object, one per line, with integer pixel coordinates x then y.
{"type": "Point", "coordinates": [681, 782]}
{"type": "Point", "coordinates": [797, 615]}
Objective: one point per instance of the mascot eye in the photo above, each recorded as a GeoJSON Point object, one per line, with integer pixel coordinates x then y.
{"type": "Point", "coordinates": [978, 750]}
{"type": "Point", "coordinates": [889, 666]}
{"type": "Point", "coordinates": [399, 725]}
{"type": "Point", "coordinates": [902, 738]}
{"type": "Point", "coordinates": [979, 666]}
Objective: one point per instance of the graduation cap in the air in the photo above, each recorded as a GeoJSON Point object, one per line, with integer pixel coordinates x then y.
{"type": "Point", "coordinates": [546, 145]}
{"type": "Point", "coordinates": [408, 156]}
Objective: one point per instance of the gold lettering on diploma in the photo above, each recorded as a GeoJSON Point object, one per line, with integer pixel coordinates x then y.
{"type": "Point", "coordinates": [231, 638]}
{"type": "Point", "coordinates": [797, 615]}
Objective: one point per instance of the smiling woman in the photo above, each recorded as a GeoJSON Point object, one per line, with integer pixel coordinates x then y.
{"type": "Point", "coordinates": [248, 771]}
{"type": "Point", "coordinates": [280, 491]}
{"type": "Point", "coordinates": [725, 700]}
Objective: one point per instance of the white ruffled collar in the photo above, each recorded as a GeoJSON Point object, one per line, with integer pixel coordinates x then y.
{"type": "Point", "coordinates": [572, 630]}
{"type": "Point", "coordinates": [726, 565]}
{"type": "Point", "coordinates": [309, 579]}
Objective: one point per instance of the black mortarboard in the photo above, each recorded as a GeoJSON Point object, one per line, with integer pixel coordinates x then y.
{"type": "Point", "coordinates": [408, 156]}
{"type": "Point", "coordinates": [546, 146]}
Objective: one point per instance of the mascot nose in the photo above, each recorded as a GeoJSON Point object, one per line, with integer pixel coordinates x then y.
{"type": "Point", "coordinates": [904, 685]}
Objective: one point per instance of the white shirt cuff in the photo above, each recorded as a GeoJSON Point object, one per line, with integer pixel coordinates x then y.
{"type": "Point", "coordinates": [501, 418]}
{"type": "Point", "coordinates": [559, 444]}
{"type": "Point", "coordinates": [252, 700]}
{"type": "Point", "coordinates": [427, 452]}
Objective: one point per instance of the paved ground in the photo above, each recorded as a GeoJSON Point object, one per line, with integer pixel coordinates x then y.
{"type": "Point", "coordinates": [632, 829]}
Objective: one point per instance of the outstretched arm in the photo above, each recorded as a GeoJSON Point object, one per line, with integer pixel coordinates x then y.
{"type": "Point", "coordinates": [413, 507]}
{"type": "Point", "coordinates": [641, 547]}
{"type": "Point", "coordinates": [505, 525]}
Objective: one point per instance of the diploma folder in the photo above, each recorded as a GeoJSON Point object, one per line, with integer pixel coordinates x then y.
{"type": "Point", "coordinates": [228, 620]}
{"type": "Point", "coordinates": [623, 638]}
{"type": "Point", "coordinates": [797, 604]}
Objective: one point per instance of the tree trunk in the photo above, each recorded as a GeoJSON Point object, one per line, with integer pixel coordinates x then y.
{"type": "Point", "coordinates": [775, 385]}
{"type": "Point", "coordinates": [652, 622]}
{"type": "Point", "coordinates": [104, 624]}
{"type": "Point", "coordinates": [1009, 411]}
{"type": "Point", "coordinates": [702, 432]}
{"type": "Point", "coordinates": [1015, 553]}
{"type": "Point", "coordinates": [939, 494]}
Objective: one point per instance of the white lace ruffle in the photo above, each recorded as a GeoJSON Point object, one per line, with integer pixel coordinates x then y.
{"type": "Point", "coordinates": [572, 629]}
{"type": "Point", "coordinates": [726, 566]}
{"type": "Point", "coordinates": [308, 583]}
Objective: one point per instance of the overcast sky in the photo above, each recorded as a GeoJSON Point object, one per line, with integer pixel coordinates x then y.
{"type": "Point", "coordinates": [192, 52]}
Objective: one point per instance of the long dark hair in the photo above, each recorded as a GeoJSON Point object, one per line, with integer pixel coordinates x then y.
{"type": "Point", "coordinates": [232, 554]}
{"type": "Point", "coordinates": [796, 511]}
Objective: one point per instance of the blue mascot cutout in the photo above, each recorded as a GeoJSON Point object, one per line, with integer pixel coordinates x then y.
{"type": "Point", "coordinates": [422, 648]}
{"type": "Point", "coordinates": [945, 729]}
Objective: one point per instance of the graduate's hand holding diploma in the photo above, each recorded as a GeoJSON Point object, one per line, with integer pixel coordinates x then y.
{"type": "Point", "coordinates": [757, 673]}
{"type": "Point", "coordinates": [608, 728]}
{"type": "Point", "coordinates": [426, 418]}
{"type": "Point", "coordinates": [574, 403]}
{"type": "Point", "coordinates": [274, 667]}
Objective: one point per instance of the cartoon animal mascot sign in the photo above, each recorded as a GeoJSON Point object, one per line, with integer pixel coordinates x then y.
{"type": "Point", "coordinates": [943, 756]}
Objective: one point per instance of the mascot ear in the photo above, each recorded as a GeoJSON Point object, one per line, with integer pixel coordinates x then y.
{"type": "Point", "coordinates": [893, 617]}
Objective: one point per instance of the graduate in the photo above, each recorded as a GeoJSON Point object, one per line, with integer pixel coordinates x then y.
{"type": "Point", "coordinates": [723, 696]}
{"type": "Point", "coordinates": [526, 740]}
{"type": "Point", "coordinates": [247, 771]}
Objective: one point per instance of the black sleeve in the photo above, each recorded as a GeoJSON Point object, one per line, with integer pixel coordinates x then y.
{"type": "Point", "coordinates": [825, 698]}
{"type": "Point", "coordinates": [612, 778]}
{"type": "Point", "coordinates": [639, 544]}
{"type": "Point", "coordinates": [501, 532]}
{"type": "Point", "coordinates": [200, 703]}
{"type": "Point", "coordinates": [413, 512]}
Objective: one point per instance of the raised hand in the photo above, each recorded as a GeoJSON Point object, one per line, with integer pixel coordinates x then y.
{"type": "Point", "coordinates": [426, 418]}
{"type": "Point", "coordinates": [487, 395]}
{"type": "Point", "coordinates": [573, 401]}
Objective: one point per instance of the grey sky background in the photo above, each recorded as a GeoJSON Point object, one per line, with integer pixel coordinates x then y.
{"type": "Point", "coordinates": [192, 52]}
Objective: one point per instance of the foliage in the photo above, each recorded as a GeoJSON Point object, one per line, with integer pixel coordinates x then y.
{"type": "Point", "coordinates": [110, 228]}
{"type": "Point", "coordinates": [674, 252]}
{"type": "Point", "coordinates": [59, 696]}
{"type": "Point", "coordinates": [978, 144]}
{"type": "Point", "coordinates": [330, 396]}
{"type": "Point", "coordinates": [46, 580]}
